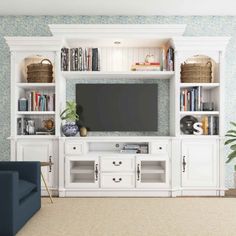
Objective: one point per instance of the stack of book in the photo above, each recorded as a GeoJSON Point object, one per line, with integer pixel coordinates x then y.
{"type": "Point", "coordinates": [80, 59]}
{"type": "Point", "coordinates": [191, 99]}
{"type": "Point", "coordinates": [210, 125]}
{"type": "Point", "coordinates": [146, 66]}
{"type": "Point", "coordinates": [40, 102]}
{"type": "Point", "coordinates": [135, 148]}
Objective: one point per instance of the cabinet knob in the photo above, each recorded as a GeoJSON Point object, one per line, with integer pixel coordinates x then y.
{"type": "Point", "coordinates": [160, 148]}
{"type": "Point", "coordinates": [74, 148]}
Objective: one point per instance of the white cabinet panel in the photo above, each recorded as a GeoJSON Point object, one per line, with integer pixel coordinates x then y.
{"type": "Point", "coordinates": [38, 151]}
{"type": "Point", "coordinates": [117, 180]}
{"type": "Point", "coordinates": [160, 147]}
{"type": "Point", "coordinates": [73, 148]}
{"type": "Point", "coordinates": [199, 163]}
{"type": "Point", "coordinates": [117, 164]}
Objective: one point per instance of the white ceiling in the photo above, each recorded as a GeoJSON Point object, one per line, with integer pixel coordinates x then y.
{"type": "Point", "coordinates": [117, 7]}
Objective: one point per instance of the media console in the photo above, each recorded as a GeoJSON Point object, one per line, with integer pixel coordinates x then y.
{"type": "Point", "coordinates": [178, 164]}
{"type": "Point", "coordinates": [104, 167]}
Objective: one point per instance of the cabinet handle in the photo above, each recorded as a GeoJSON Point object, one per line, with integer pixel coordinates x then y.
{"type": "Point", "coordinates": [184, 164]}
{"type": "Point", "coordinates": [96, 172]}
{"type": "Point", "coordinates": [50, 163]}
{"type": "Point", "coordinates": [74, 148]}
{"type": "Point", "coordinates": [117, 181]}
{"type": "Point", "coordinates": [117, 164]}
{"type": "Point", "coordinates": [138, 172]}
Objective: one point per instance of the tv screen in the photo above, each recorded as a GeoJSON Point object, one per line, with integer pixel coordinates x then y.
{"type": "Point", "coordinates": [117, 107]}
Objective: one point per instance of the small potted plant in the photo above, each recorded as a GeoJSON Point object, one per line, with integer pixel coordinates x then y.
{"type": "Point", "coordinates": [232, 144]}
{"type": "Point", "coordinates": [70, 127]}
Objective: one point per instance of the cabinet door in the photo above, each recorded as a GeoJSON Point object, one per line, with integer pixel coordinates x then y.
{"type": "Point", "coordinates": [37, 151]}
{"type": "Point", "coordinates": [81, 172]}
{"type": "Point", "coordinates": [199, 163]}
{"type": "Point", "coordinates": [152, 172]}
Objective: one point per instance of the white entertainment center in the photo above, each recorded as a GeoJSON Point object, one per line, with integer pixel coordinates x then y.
{"type": "Point", "coordinates": [175, 165]}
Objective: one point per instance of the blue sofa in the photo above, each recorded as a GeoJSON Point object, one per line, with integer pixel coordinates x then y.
{"type": "Point", "coordinates": [20, 194]}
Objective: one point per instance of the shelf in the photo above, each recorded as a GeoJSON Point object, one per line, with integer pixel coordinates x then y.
{"type": "Point", "coordinates": [204, 85]}
{"type": "Point", "coordinates": [118, 74]}
{"type": "Point", "coordinates": [199, 112]}
{"type": "Point", "coordinates": [35, 113]}
{"type": "Point", "coordinates": [153, 170]}
{"type": "Point", "coordinates": [35, 85]}
{"type": "Point", "coordinates": [35, 137]}
{"type": "Point", "coordinates": [187, 136]}
{"type": "Point", "coordinates": [113, 153]}
{"type": "Point", "coordinates": [82, 170]}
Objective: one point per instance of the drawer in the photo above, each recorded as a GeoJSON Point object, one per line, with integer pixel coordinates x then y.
{"type": "Point", "coordinates": [121, 164]}
{"type": "Point", "coordinates": [73, 148]}
{"type": "Point", "coordinates": [115, 180]}
{"type": "Point", "coordinates": [161, 147]}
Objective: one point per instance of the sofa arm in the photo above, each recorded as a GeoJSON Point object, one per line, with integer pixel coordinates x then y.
{"type": "Point", "coordinates": [9, 202]}
{"type": "Point", "coordinates": [28, 170]}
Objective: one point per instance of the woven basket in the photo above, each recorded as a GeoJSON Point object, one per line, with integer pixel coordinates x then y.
{"type": "Point", "coordinates": [40, 72]}
{"type": "Point", "coordinates": [196, 72]}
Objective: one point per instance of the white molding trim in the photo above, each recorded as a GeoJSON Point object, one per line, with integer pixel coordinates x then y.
{"type": "Point", "coordinates": [34, 43]}
{"type": "Point", "coordinates": [200, 43]}
{"type": "Point", "coordinates": [117, 30]}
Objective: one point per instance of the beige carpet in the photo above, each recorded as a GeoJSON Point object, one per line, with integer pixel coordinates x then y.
{"type": "Point", "coordinates": [134, 216]}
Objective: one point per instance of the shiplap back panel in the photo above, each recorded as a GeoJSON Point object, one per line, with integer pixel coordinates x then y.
{"type": "Point", "coordinates": [121, 59]}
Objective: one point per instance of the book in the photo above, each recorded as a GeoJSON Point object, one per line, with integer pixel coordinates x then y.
{"type": "Point", "coordinates": [80, 59]}
{"type": "Point", "coordinates": [74, 59]}
{"type": "Point", "coordinates": [64, 59]}
{"type": "Point", "coordinates": [170, 59]}
{"type": "Point", "coordinates": [94, 59]}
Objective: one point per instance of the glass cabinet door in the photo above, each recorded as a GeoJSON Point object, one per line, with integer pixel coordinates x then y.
{"type": "Point", "coordinates": [151, 172]}
{"type": "Point", "coordinates": [82, 172]}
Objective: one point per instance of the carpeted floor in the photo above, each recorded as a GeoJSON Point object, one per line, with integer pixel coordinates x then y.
{"type": "Point", "coordinates": [134, 217]}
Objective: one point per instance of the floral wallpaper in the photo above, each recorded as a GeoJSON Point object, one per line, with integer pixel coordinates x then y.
{"type": "Point", "coordinates": [38, 26]}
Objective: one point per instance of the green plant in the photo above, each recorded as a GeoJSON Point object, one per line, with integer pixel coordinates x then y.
{"type": "Point", "coordinates": [69, 114]}
{"type": "Point", "coordinates": [232, 141]}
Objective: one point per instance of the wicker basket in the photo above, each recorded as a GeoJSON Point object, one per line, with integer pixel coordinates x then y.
{"type": "Point", "coordinates": [40, 72]}
{"type": "Point", "coordinates": [196, 72]}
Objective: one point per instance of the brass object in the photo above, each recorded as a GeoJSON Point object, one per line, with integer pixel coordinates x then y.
{"type": "Point", "coordinates": [83, 132]}
{"type": "Point", "coordinates": [49, 124]}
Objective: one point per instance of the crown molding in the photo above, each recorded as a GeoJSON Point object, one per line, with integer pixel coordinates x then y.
{"type": "Point", "coordinates": [200, 43]}
{"type": "Point", "coordinates": [34, 43]}
{"type": "Point", "coordinates": [117, 30]}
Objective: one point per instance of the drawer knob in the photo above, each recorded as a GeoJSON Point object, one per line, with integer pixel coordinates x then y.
{"type": "Point", "coordinates": [117, 181]}
{"type": "Point", "coordinates": [74, 148]}
{"type": "Point", "coordinates": [160, 148]}
{"type": "Point", "coordinates": [117, 164]}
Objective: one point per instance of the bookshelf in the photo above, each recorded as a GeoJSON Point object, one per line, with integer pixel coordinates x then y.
{"type": "Point", "coordinates": [79, 161]}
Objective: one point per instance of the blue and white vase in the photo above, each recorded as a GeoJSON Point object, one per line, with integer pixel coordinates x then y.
{"type": "Point", "coordinates": [70, 129]}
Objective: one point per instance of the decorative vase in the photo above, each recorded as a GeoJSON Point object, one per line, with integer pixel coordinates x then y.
{"type": "Point", "coordinates": [83, 132]}
{"type": "Point", "coordinates": [70, 129]}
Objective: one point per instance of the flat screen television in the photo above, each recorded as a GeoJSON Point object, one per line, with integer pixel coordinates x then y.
{"type": "Point", "coordinates": [117, 107]}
